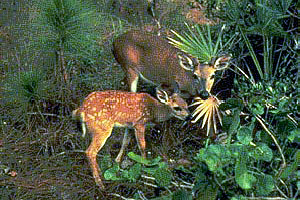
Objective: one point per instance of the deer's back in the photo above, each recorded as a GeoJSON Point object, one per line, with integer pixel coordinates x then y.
{"type": "Point", "coordinates": [151, 56]}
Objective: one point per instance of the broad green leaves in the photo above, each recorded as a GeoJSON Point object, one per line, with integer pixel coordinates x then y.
{"type": "Point", "coordinates": [215, 156]}
{"type": "Point", "coordinates": [265, 184]}
{"type": "Point", "coordinates": [155, 167]}
{"type": "Point", "coordinates": [244, 135]}
{"type": "Point", "coordinates": [262, 152]}
{"type": "Point", "coordinates": [239, 154]}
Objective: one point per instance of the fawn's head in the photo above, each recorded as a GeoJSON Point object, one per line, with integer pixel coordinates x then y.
{"type": "Point", "coordinates": [204, 73]}
{"type": "Point", "coordinates": [177, 104]}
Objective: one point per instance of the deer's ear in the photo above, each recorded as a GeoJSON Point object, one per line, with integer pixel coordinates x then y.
{"type": "Point", "coordinates": [162, 95]}
{"type": "Point", "coordinates": [185, 61]}
{"type": "Point", "coordinates": [222, 62]}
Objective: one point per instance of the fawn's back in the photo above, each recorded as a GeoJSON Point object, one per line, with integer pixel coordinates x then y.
{"type": "Point", "coordinates": [120, 108]}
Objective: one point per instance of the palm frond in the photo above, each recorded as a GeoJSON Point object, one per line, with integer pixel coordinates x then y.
{"type": "Point", "coordinates": [200, 43]}
{"type": "Point", "coordinates": [209, 110]}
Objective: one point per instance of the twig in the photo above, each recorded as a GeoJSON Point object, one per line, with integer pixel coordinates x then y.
{"type": "Point", "coordinates": [296, 194]}
{"type": "Point", "coordinates": [281, 192]}
{"type": "Point", "coordinates": [150, 184]}
{"type": "Point", "coordinates": [190, 186]}
{"type": "Point", "coordinates": [45, 114]}
{"type": "Point", "coordinates": [267, 198]}
{"type": "Point", "coordinates": [186, 183]}
{"type": "Point", "coordinates": [119, 196]}
{"type": "Point", "coordinates": [275, 141]}
{"type": "Point", "coordinates": [141, 195]}
{"type": "Point", "coordinates": [288, 115]}
{"type": "Point", "coordinates": [252, 82]}
{"type": "Point", "coordinates": [148, 177]}
{"type": "Point", "coordinates": [286, 187]}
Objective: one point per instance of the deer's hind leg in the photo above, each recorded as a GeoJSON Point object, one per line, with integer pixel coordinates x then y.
{"type": "Point", "coordinates": [132, 79]}
{"type": "Point", "coordinates": [100, 135]}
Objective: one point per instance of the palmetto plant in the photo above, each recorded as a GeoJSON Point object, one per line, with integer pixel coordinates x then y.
{"type": "Point", "coordinates": [200, 43]}
{"type": "Point", "coordinates": [267, 24]}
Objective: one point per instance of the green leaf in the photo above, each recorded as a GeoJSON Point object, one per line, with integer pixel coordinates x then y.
{"type": "Point", "coordinates": [182, 195]}
{"type": "Point", "coordinates": [166, 197]}
{"type": "Point", "coordinates": [124, 175]}
{"type": "Point", "coordinates": [242, 177]}
{"type": "Point", "coordinates": [265, 184]}
{"type": "Point", "coordinates": [285, 127]}
{"type": "Point", "coordinates": [263, 152]}
{"type": "Point", "coordinates": [288, 171]}
{"type": "Point", "coordinates": [150, 170]}
{"type": "Point", "coordinates": [235, 122]}
{"type": "Point", "coordinates": [135, 172]}
{"type": "Point", "coordinates": [163, 165]}
{"type": "Point", "coordinates": [215, 157]}
{"type": "Point", "coordinates": [294, 136]}
{"type": "Point", "coordinates": [236, 150]}
{"type": "Point", "coordinates": [106, 162]}
{"type": "Point", "coordinates": [245, 180]}
{"type": "Point", "coordinates": [207, 191]}
{"type": "Point", "coordinates": [163, 177]}
{"type": "Point", "coordinates": [240, 197]}
{"type": "Point", "coordinates": [232, 103]}
{"type": "Point", "coordinates": [244, 135]}
{"type": "Point", "coordinates": [226, 122]}
{"type": "Point", "coordinates": [201, 44]}
{"type": "Point", "coordinates": [258, 109]}
{"type": "Point", "coordinates": [142, 160]}
{"type": "Point", "coordinates": [112, 173]}
{"type": "Point", "coordinates": [138, 158]}
{"type": "Point", "coordinates": [252, 53]}
{"type": "Point", "coordinates": [240, 166]}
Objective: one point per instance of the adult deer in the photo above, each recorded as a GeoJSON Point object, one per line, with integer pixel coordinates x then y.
{"type": "Point", "coordinates": [152, 58]}
{"type": "Point", "coordinates": [101, 111]}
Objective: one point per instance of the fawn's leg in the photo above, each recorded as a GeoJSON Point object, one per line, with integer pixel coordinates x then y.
{"type": "Point", "coordinates": [100, 135]}
{"type": "Point", "coordinates": [125, 143]}
{"type": "Point", "coordinates": [140, 137]}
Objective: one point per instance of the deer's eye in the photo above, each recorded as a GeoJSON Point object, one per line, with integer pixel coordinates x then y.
{"type": "Point", "coordinates": [177, 108]}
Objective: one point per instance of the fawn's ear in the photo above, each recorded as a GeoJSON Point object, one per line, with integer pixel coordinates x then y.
{"type": "Point", "coordinates": [185, 61]}
{"type": "Point", "coordinates": [162, 95]}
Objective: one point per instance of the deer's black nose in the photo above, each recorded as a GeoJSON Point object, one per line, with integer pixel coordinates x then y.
{"type": "Point", "coordinates": [203, 94]}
